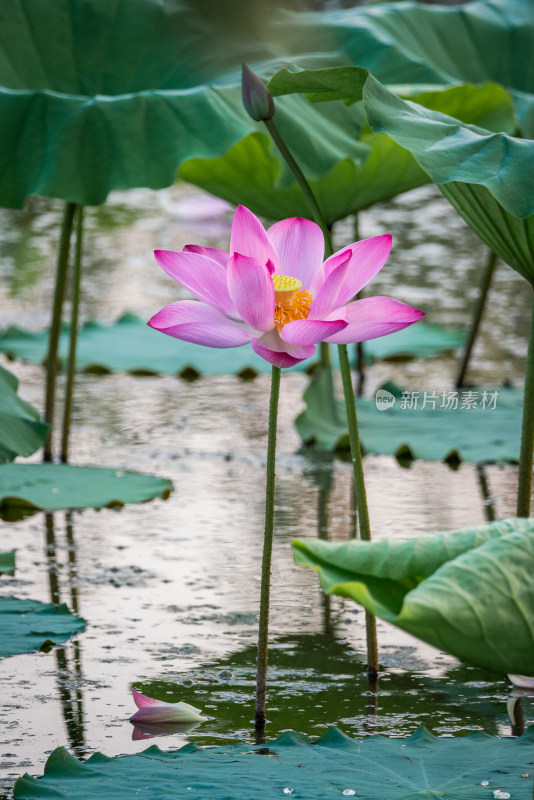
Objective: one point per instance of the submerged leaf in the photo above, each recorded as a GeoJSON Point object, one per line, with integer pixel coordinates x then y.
{"type": "Point", "coordinates": [377, 768]}
{"type": "Point", "coordinates": [21, 430]}
{"type": "Point", "coordinates": [468, 592]}
{"type": "Point", "coordinates": [26, 488]}
{"type": "Point", "coordinates": [435, 430]}
{"type": "Point", "coordinates": [27, 625]}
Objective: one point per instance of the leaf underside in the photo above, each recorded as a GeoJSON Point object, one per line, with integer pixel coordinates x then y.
{"type": "Point", "coordinates": [468, 592]}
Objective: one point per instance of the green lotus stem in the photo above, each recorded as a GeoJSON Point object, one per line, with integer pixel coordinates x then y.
{"type": "Point", "coordinates": [301, 180]}
{"type": "Point", "coordinates": [360, 353]}
{"type": "Point", "coordinates": [55, 327]}
{"type": "Point", "coordinates": [477, 317]}
{"type": "Point", "coordinates": [73, 339]}
{"type": "Point", "coordinates": [527, 433]}
{"type": "Point", "coordinates": [51, 559]}
{"type": "Point", "coordinates": [361, 494]}
{"type": "Point", "coordinates": [323, 499]}
{"type": "Point", "coordinates": [350, 404]}
{"type": "Point", "coordinates": [263, 633]}
{"type": "Point", "coordinates": [489, 506]}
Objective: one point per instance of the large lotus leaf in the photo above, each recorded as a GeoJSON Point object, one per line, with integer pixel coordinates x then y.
{"type": "Point", "coordinates": [377, 768]}
{"type": "Point", "coordinates": [486, 175]}
{"type": "Point", "coordinates": [413, 43]}
{"type": "Point", "coordinates": [469, 592]}
{"type": "Point", "coordinates": [131, 346]}
{"type": "Point", "coordinates": [27, 625]}
{"type": "Point", "coordinates": [21, 430]}
{"type": "Point", "coordinates": [127, 92]}
{"type": "Point", "coordinates": [7, 561]}
{"type": "Point", "coordinates": [383, 170]}
{"type": "Point", "coordinates": [477, 425]}
{"type": "Point", "coordinates": [49, 487]}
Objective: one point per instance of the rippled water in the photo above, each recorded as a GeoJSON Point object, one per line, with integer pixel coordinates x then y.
{"type": "Point", "coordinates": [170, 589]}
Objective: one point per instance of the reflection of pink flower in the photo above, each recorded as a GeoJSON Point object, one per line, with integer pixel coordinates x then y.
{"type": "Point", "coordinates": [272, 289]}
{"type": "Point", "coordinates": [158, 711]}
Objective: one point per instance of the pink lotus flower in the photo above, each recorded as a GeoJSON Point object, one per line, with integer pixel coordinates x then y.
{"type": "Point", "coordinates": [273, 290]}
{"type": "Point", "coordinates": [153, 711]}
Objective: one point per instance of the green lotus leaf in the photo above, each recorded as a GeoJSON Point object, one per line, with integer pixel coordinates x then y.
{"type": "Point", "coordinates": [25, 488]}
{"type": "Point", "coordinates": [447, 427]}
{"type": "Point", "coordinates": [21, 430]}
{"type": "Point", "coordinates": [485, 175]}
{"type": "Point", "coordinates": [383, 169]}
{"type": "Point", "coordinates": [376, 767]}
{"type": "Point", "coordinates": [409, 44]}
{"type": "Point", "coordinates": [27, 625]}
{"type": "Point", "coordinates": [129, 345]}
{"type": "Point", "coordinates": [7, 562]}
{"type": "Point", "coordinates": [468, 592]}
{"type": "Point", "coordinates": [127, 92]}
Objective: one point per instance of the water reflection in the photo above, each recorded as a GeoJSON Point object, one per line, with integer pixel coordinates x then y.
{"type": "Point", "coordinates": [68, 667]}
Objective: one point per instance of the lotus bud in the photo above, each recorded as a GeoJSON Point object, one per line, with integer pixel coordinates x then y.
{"type": "Point", "coordinates": [257, 99]}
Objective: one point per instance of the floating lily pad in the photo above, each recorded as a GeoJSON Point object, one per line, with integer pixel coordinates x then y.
{"type": "Point", "coordinates": [430, 431]}
{"type": "Point", "coordinates": [468, 592]}
{"type": "Point", "coordinates": [375, 768]}
{"type": "Point", "coordinates": [416, 341]}
{"type": "Point", "coordinates": [21, 430]}
{"type": "Point", "coordinates": [27, 625]}
{"type": "Point", "coordinates": [131, 346]}
{"type": "Point", "coordinates": [25, 488]}
{"type": "Point", "coordinates": [7, 562]}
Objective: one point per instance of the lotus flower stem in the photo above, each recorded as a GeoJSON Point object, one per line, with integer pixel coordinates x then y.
{"type": "Point", "coordinates": [527, 433]}
{"type": "Point", "coordinates": [477, 317]}
{"type": "Point", "coordinates": [55, 328]}
{"type": "Point", "coordinates": [361, 494]}
{"type": "Point", "coordinates": [263, 633]}
{"type": "Point", "coordinates": [360, 353]}
{"type": "Point", "coordinates": [489, 503]}
{"type": "Point", "coordinates": [350, 404]}
{"type": "Point", "coordinates": [302, 182]}
{"type": "Point", "coordinates": [73, 339]}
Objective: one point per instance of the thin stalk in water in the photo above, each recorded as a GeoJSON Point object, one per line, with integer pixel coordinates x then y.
{"type": "Point", "coordinates": [73, 340]}
{"type": "Point", "coordinates": [355, 450]}
{"type": "Point", "coordinates": [263, 633]}
{"type": "Point", "coordinates": [55, 327]}
{"type": "Point", "coordinates": [477, 317]}
{"type": "Point", "coordinates": [527, 433]}
{"type": "Point", "coordinates": [361, 495]}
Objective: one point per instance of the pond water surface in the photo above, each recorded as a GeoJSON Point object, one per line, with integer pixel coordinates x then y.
{"type": "Point", "coordinates": [170, 589]}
